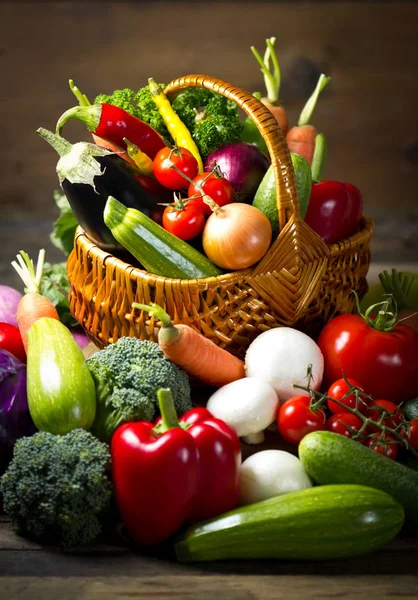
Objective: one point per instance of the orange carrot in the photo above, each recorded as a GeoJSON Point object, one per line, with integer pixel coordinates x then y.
{"type": "Point", "coordinates": [197, 355]}
{"type": "Point", "coordinates": [301, 138]}
{"type": "Point", "coordinates": [33, 305]}
{"type": "Point", "coordinates": [272, 83]}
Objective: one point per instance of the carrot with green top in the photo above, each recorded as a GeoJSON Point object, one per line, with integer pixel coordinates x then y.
{"type": "Point", "coordinates": [301, 138]}
{"type": "Point", "coordinates": [272, 82]}
{"type": "Point", "coordinates": [177, 129]}
{"type": "Point", "coordinates": [197, 355]}
{"type": "Point", "coordinates": [33, 306]}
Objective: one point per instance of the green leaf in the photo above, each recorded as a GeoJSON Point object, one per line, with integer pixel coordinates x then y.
{"type": "Point", "coordinates": [56, 287]}
{"type": "Point", "coordinates": [62, 235]}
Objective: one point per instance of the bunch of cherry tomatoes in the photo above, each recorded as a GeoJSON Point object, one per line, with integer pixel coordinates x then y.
{"type": "Point", "coordinates": [177, 169]}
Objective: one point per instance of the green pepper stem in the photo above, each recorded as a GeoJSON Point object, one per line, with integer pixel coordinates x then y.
{"type": "Point", "coordinates": [154, 88]}
{"type": "Point", "coordinates": [82, 98]}
{"type": "Point", "coordinates": [61, 145]}
{"type": "Point", "coordinates": [167, 410]}
{"type": "Point", "coordinates": [307, 111]}
{"type": "Point", "coordinates": [89, 115]}
{"type": "Point", "coordinates": [319, 156]}
{"type": "Point", "coordinates": [131, 148]}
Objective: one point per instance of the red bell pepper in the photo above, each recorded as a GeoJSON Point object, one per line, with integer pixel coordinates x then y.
{"type": "Point", "coordinates": [113, 124]}
{"type": "Point", "coordinates": [335, 208]}
{"type": "Point", "coordinates": [172, 472]}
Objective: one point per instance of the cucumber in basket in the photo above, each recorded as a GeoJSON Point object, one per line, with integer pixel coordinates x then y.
{"type": "Point", "coordinates": [265, 197]}
{"type": "Point", "coordinates": [157, 250]}
{"type": "Point", "coordinates": [330, 458]}
{"type": "Point", "coordinates": [319, 523]}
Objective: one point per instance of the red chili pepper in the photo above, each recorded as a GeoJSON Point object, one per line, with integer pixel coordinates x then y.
{"type": "Point", "coordinates": [334, 210]}
{"type": "Point", "coordinates": [174, 471]}
{"type": "Point", "coordinates": [113, 124]}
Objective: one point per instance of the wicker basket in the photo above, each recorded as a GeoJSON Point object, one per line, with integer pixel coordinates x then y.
{"type": "Point", "coordinates": [301, 282]}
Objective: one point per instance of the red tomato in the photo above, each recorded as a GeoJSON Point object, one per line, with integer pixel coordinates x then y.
{"type": "Point", "coordinates": [390, 407]}
{"type": "Point", "coordinates": [218, 188]}
{"type": "Point", "coordinates": [338, 423]}
{"type": "Point", "coordinates": [11, 340]}
{"type": "Point", "coordinates": [386, 362]}
{"type": "Point", "coordinates": [412, 435]}
{"type": "Point", "coordinates": [295, 419]}
{"type": "Point", "coordinates": [185, 223]}
{"type": "Point", "coordinates": [337, 391]}
{"type": "Point", "coordinates": [386, 449]}
{"type": "Point", "coordinates": [182, 159]}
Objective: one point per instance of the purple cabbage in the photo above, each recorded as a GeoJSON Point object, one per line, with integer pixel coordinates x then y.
{"type": "Point", "coordinates": [15, 419]}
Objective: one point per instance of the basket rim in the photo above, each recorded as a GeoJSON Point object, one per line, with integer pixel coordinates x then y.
{"type": "Point", "coordinates": [360, 237]}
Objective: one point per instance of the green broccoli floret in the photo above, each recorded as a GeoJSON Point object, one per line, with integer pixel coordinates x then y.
{"type": "Point", "coordinates": [212, 119]}
{"type": "Point", "coordinates": [127, 376]}
{"type": "Point", "coordinates": [139, 104]}
{"type": "Point", "coordinates": [57, 487]}
{"type": "Point", "coordinates": [125, 99]}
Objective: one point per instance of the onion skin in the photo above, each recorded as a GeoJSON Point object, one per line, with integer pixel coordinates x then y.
{"type": "Point", "coordinates": [236, 236]}
{"type": "Point", "coordinates": [243, 164]}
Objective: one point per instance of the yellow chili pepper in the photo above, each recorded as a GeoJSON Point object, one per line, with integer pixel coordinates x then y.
{"type": "Point", "coordinates": [142, 160]}
{"type": "Point", "coordinates": [178, 130]}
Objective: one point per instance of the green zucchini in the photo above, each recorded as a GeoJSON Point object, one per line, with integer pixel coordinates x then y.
{"type": "Point", "coordinates": [157, 250]}
{"type": "Point", "coordinates": [61, 391]}
{"type": "Point", "coordinates": [330, 458]}
{"type": "Point", "coordinates": [319, 523]}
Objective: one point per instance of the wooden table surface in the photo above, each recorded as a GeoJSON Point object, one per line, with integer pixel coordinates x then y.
{"type": "Point", "coordinates": [112, 569]}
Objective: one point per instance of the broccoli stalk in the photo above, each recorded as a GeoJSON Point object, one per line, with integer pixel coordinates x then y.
{"type": "Point", "coordinates": [127, 376]}
{"type": "Point", "coordinates": [57, 488]}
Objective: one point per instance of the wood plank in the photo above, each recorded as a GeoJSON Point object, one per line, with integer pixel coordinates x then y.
{"type": "Point", "coordinates": [245, 587]}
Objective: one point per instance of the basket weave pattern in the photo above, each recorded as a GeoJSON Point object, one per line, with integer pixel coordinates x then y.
{"type": "Point", "coordinates": [301, 282]}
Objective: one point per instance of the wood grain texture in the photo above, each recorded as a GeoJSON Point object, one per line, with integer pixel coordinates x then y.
{"type": "Point", "coordinates": [368, 112]}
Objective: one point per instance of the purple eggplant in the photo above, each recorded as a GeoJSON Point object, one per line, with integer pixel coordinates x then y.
{"type": "Point", "coordinates": [15, 420]}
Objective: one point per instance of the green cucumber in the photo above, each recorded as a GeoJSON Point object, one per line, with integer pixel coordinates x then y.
{"type": "Point", "coordinates": [265, 197]}
{"type": "Point", "coordinates": [61, 391]}
{"type": "Point", "coordinates": [410, 409]}
{"type": "Point", "coordinates": [157, 250]}
{"type": "Point", "coordinates": [319, 523]}
{"type": "Point", "coordinates": [330, 458]}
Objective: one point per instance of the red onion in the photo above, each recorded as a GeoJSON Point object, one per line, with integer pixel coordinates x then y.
{"type": "Point", "coordinates": [9, 300]}
{"type": "Point", "coordinates": [243, 165]}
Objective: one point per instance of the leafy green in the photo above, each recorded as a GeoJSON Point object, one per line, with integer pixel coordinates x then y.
{"type": "Point", "coordinates": [62, 235]}
{"type": "Point", "coordinates": [56, 287]}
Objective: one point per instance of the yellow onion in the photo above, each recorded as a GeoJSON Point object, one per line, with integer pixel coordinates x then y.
{"type": "Point", "coordinates": [236, 235]}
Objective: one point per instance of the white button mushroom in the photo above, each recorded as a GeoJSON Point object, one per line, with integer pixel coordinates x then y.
{"type": "Point", "coordinates": [271, 473]}
{"type": "Point", "coordinates": [281, 357]}
{"type": "Point", "coordinates": [248, 405]}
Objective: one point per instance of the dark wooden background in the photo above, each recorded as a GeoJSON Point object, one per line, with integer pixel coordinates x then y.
{"type": "Point", "coordinates": [369, 110]}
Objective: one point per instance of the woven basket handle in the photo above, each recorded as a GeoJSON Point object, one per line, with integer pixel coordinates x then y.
{"type": "Point", "coordinates": [286, 193]}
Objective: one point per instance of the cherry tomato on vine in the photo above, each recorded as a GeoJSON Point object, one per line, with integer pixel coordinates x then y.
{"type": "Point", "coordinates": [167, 175]}
{"type": "Point", "coordinates": [11, 340]}
{"type": "Point", "coordinates": [337, 391]}
{"type": "Point", "coordinates": [215, 186]}
{"type": "Point", "coordinates": [380, 353]}
{"type": "Point", "coordinates": [295, 419]}
{"type": "Point", "coordinates": [337, 423]}
{"type": "Point", "coordinates": [412, 434]}
{"type": "Point", "coordinates": [385, 446]}
{"type": "Point", "coordinates": [185, 220]}
{"type": "Point", "coordinates": [396, 414]}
